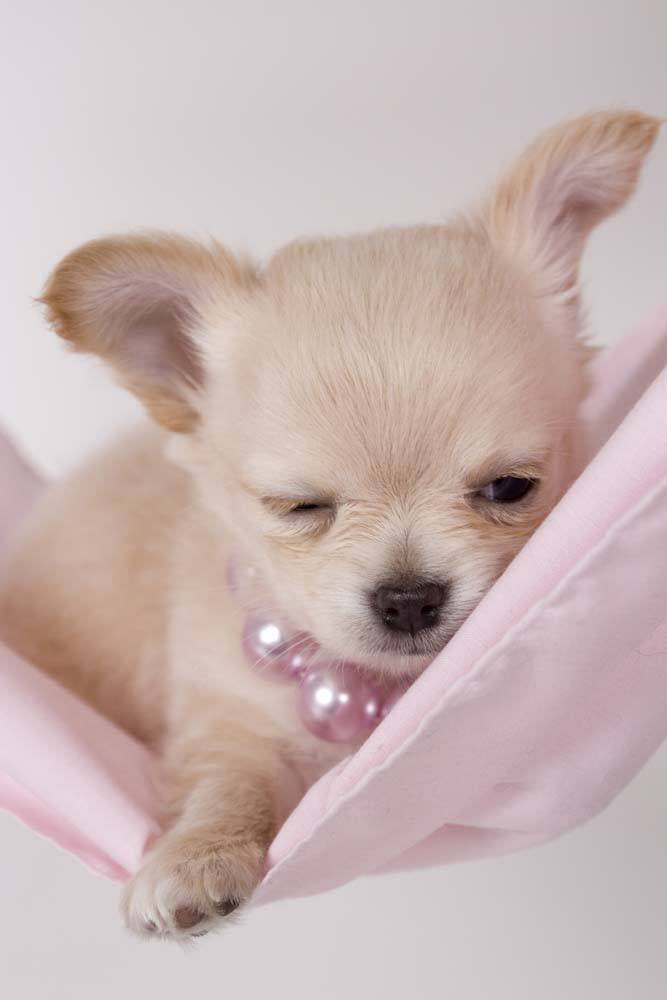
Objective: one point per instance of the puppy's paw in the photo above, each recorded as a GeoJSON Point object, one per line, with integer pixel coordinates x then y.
{"type": "Point", "coordinates": [187, 886]}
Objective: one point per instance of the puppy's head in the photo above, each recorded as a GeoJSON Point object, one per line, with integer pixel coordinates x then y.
{"type": "Point", "coordinates": [381, 420]}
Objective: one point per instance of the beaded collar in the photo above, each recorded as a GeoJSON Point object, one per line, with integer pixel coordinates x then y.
{"type": "Point", "coordinates": [337, 701]}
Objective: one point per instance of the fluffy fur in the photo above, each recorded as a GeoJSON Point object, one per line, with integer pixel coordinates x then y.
{"type": "Point", "coordinates": [387, 378]}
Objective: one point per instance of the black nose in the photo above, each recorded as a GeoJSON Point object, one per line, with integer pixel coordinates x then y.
{"type": "Point", "coordinates": [409, 608]}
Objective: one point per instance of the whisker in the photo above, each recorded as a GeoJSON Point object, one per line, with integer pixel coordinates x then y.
{"type": "Point", "coordinates": [265, 659]}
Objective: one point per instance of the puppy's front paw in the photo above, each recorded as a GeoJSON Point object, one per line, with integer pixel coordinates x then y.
{"type": "Point", "coordinates": [189, 884]}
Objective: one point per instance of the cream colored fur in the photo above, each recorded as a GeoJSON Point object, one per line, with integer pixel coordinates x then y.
{"type": "Point", "coordinates": [390, 376]}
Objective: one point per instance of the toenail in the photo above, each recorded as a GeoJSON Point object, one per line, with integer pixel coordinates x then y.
{"type": "Point", "coordinates": [227, 906]}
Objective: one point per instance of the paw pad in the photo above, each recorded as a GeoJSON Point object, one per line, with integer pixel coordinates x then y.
{"type": "Point", "coordinates": [187, 917]}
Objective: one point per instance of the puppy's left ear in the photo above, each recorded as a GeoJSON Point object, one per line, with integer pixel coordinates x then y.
{"type": "Point", "coordinates": [565, 183]}
{"type": "Point", "coordinates": [137, 302]}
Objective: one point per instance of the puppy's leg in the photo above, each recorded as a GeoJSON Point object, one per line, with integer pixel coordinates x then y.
{"type": "Point", "coordinates": [226, 784]}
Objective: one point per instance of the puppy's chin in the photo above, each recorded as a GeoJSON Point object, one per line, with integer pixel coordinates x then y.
{"type": "Point", "coordinates": [392, 660]}
{"type": "Point", "coordinates": [396, 666]}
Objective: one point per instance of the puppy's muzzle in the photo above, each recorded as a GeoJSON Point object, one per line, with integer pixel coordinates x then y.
{"type": "Point", "coordinates": [411, 608]}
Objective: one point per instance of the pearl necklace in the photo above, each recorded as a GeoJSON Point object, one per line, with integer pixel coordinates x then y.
{"type": "Point", "coordinates": [336, 701]}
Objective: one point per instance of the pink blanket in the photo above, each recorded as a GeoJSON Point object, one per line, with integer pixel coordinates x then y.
{"type": "Point", "coordinates": [547, 702]}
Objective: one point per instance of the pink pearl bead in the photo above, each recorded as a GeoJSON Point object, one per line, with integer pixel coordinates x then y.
{"type": "Point", "coordinates": [299, 658]}
{"type": "Point", "coordinates": [395, 696]}
{"type": "Point", "coordinates": [273, 651]}
{"type": "Point", "coordinates": [373, 706]}
{"type": "Point", "coordinates": [337, 703]}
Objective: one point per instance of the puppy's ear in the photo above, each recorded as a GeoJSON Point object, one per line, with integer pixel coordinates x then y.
{"type": "Point", "coordinates": [562, 185]}
{"type": "Point", "coordinates": [136, 302]}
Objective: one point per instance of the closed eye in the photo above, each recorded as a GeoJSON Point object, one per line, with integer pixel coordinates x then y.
{"type": "Point", "coordinates": [299, 518]}
{"type": "Point", "coordinates": [287, 507]}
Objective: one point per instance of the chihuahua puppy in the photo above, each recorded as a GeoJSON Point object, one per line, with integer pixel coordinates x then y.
{"type": "Point", "coordinates": [387, 414]}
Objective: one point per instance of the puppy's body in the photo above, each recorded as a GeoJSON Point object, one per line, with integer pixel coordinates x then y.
{"type": "Point", "coordinates": [380, 414]}
{"type": "Point", "coordinates": [118, 590]}
{"type": "Point", "coordinates": [97, 621]}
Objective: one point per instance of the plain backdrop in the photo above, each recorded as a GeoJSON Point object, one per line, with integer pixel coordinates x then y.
{"type": "Point", "coordinates": [258, 122]}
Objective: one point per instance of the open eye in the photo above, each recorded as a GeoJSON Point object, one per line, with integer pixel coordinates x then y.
{"type": "Point", "coordinates": [507, 489]}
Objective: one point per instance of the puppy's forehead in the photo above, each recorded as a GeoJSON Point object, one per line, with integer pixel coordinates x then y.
{"type": "Point", "coordinates": [382, 303]}
{"type": "Point", "coordinates": [416, 348]}
{"type": "Point", "coordinates": [381, 284]}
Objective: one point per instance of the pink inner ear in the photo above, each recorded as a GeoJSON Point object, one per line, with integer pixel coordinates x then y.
{"type": "Point", "coordinates": [566, 208]}
{"type": "Point", "coordinates": [157, 348]}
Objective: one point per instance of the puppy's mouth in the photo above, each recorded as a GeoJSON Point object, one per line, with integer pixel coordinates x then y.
{"type": "Point", "coordinates": [406, 652]}
{"type": "Point", "coordinates": [412, 645]}
{"type": "Point", "coordinates": [402, 653]}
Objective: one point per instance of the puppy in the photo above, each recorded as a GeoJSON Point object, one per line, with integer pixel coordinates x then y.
{"type": "Point", "coordinates": [389, 413]}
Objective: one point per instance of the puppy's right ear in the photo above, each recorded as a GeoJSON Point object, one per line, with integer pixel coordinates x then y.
{"type": "Point", "coordinates": [136, 302]}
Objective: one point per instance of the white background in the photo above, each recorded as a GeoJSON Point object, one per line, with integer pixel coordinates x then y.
{"type": "Point", "coordinates": [258, 122]}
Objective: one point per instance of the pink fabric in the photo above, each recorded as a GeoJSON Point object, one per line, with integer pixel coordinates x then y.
{"type": "Point", "coordinates": [65, 771]}
{"type": "Point", "coordinates": [547, 702]}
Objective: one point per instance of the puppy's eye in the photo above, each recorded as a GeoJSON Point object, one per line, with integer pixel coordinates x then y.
{"type": "Point", "coordinates": [308, 512]}
{"type": "Point", "coordinates": [507, 489]}
{"type": "Point", "coordinates": [310, 508]}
